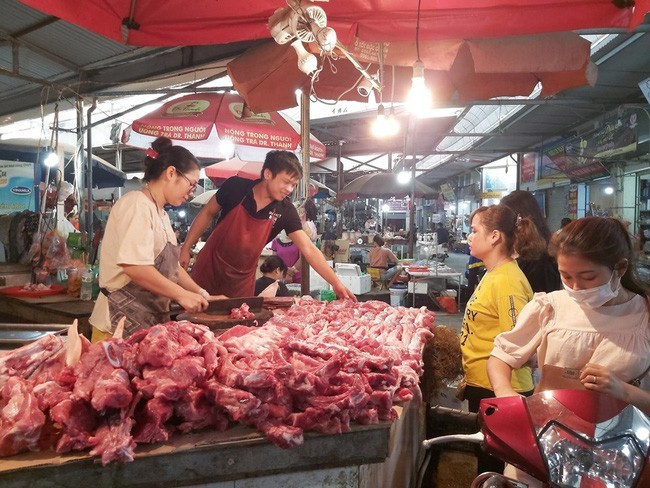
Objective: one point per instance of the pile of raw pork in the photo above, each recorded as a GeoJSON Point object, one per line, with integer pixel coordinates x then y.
{"type": "Point", "coordinates": [314, 367]}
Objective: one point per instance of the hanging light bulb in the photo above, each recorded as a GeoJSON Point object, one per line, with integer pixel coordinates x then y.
{"type": "Point", "coordinates": [326, 39]}
{"type": "Point", "coordinates": [52, 159]}
{"type": "Point", "coordinates": [403, 177]}
{"type": "Point", "coordinates": [384, 126]}
{"type": "Point", "coordinates": [307, 62]}
{"type": "Point", "coordinates": [419, 98]}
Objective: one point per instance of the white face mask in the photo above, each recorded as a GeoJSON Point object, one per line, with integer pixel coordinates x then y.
{"type": "Point", "coordinates": [598, 296]}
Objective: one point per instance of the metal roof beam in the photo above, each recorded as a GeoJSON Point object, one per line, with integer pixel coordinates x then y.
{"type": "Point", "coordinates": [189, 57]}
{"type": "Point", "coordinates": [17, 43]}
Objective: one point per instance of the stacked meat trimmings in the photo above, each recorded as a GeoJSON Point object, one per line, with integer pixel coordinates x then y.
{"type": "Point", "coordinates": [315, 367]}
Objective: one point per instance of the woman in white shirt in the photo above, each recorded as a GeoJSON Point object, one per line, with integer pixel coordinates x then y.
{"type": "Point", "coordinates": [594, 333]}
{"type": "Point", "coordinates": [139, 271]}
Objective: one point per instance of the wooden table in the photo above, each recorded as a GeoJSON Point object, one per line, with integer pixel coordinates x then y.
{"type": "Point", "coordinates": [385, 454]}
{"type": "Point", "coordinates": [56, 309]}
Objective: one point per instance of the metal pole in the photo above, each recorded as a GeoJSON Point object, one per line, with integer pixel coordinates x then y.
{"type": "Point", "coordinates": [79, 171]}
{"type": "Point", "coordinates": [304, 144]}
{"type": "Point", "coordinates": [339, 186]}
{"type": "Point", "coordinates": [412, 203]}
{"type": "Point", "coordinates": [89, 182]}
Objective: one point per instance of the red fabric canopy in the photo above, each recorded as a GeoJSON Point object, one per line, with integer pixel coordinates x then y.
{"type": "Point", "coordinates": [182, 22]}
{"type": "Point", "coordinates": [267, 75]}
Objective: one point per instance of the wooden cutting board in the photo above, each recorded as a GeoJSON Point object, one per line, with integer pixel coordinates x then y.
{"type": "Point", "coordinates": [217, 322]}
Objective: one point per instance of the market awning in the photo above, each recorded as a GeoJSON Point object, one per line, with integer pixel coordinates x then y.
{"type": "Point", "coordinates": [179, 22]}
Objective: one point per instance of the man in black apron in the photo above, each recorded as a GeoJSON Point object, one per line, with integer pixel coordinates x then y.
{"type": "Point", "coordinates": [252, 214]}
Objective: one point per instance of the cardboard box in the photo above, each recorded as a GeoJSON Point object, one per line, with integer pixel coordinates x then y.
{"type": "Point", "coordinates": [343, 253]}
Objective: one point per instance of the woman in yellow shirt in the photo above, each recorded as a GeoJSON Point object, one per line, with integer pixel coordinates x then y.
{"type": "Point", "coordinates": [496, 234]}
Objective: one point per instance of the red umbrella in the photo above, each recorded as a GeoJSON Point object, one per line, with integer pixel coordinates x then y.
{"type": "Point", "coordinates": [267, 75]}
{"type": "Point", "coordinates": [203, 121]}
{"type": "Point", "coordinates": [233, 167]}
{"type": "Point", "coordinates": [223, 170]}
{"type": "Point", "coordinates": [179, 22]}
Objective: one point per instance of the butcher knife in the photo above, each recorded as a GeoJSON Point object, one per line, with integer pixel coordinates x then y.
{"type": "Point", "coordinates": [225, 306]}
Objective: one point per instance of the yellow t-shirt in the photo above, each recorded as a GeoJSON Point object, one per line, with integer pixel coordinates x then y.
{"type": "Point", "coordinates": [492, 309]}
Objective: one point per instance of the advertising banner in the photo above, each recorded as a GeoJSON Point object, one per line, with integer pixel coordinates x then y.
{"type": "Point", "coordinates": [552, 161]}
{"type": "Point", "coordinates": [16, 186]}
{"type": "Point", "coordinates": [528, 166]}
{"type": "Point", "coordinates": [448, 192]}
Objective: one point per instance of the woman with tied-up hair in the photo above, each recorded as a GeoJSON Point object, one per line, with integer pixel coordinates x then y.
{"type": "Point", "coordinates": [496, 233]}
{"type": "Point", "coordinates": [539, 268]}
{"type": "Point", "coordinates": [139, 270]}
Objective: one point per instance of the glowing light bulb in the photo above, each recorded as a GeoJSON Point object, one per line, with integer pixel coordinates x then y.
{"type": "Point", "coordinates": [403, 177]}
{"type": "Point", "coordinates": [383, 125]}
{"type": "Point", "coordinates": [419, 98]}
{"type": "Point", "coordinates": [51, 160]}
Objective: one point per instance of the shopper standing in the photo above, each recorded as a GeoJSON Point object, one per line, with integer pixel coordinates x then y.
{"type": "Point", "coordinates": [594, 333]}
{"type": "Point", "coordinates": [495, 304]}
{"type": "Point", "coordinates": [540, 268]}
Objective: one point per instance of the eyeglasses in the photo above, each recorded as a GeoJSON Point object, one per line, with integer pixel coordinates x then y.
{"type": "Point", "coordinates": [192, 185]}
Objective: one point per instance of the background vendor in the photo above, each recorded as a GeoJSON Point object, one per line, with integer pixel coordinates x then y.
{"type": "Point", "coordinates": [252, 214]}
{"type": "Point", "coordinates": [139, 272]}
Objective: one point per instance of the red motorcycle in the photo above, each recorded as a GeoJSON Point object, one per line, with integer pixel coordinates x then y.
{"type": "Point", "coordinates": [563, 438]}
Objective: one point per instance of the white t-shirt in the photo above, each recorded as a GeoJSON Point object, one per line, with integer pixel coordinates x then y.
{"type": "Point", "coordinates": [135, 234]}
{"type": "Point", "coordinates": [568, 335]}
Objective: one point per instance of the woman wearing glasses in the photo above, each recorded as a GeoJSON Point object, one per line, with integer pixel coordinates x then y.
{"type": "Point", "coordinates": [139, 272]}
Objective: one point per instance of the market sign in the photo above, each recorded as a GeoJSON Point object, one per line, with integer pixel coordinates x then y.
{"type": "Point", "coordinates": [552, 161]}
{"type": "Point", "coordinates": [448, 192]}
{"type": "Point", "coordinates": [395, 205]}
{"type": "Point", "coordinates": [490, 194]}
{"type": "Point", "coordinates": [527, 165]}
{"type": "Point", "coordinates": [582, 158]}
{"type": "Point", "coordinates": [16, 186]}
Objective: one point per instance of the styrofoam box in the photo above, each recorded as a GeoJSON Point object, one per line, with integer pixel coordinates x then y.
{"type": "Point", "coordinates": [356, 284]}
{"type": "Point", "coordinates": [420, 287]}
{"type": "Point", "coordinates": [316, 281]}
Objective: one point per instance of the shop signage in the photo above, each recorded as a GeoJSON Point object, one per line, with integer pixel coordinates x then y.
{"type": "Point", "coordinates": [16, 186]}
{"type": "Point", "coordinates": [552, 161]}
{"type": "Point", "coordinates": [447, 192]}
{"type": "Point", "coordinates": [528, 164]}
{"type": "Point", "coordinates": [396, 205]}
{"type": "Point", "coordinates": [490, 194]}
{"type": "Point", "coordinates": [572, 202]}
{"type": "Point", "coordinates": [582, 158]}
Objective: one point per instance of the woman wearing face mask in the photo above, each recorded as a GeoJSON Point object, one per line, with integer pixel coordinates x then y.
{"type": "Point", "coordinates": [594, 333]}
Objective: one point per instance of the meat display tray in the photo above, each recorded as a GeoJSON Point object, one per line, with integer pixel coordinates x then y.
{"type": "Point", "coordinates": [16, 335]}
{"type": "Point", "coordinates": [20, 292]}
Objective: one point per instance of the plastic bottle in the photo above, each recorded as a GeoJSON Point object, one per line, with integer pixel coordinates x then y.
{"type": "Point", "coordinates": [86, 292]}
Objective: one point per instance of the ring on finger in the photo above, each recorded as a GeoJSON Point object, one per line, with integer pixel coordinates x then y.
{"type": "Point", "coordinates": [593, 380]}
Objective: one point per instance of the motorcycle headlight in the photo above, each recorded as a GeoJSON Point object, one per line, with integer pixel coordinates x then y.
{"type": "Point", "coordinates": [572, 460]}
